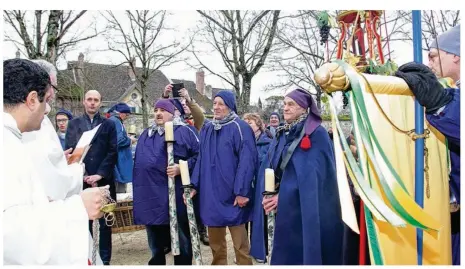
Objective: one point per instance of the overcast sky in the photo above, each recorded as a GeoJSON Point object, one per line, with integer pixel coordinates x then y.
{"type": "Point", "coordinates": [184, 22]}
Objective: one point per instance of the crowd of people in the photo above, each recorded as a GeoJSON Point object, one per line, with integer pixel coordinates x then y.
{"type": "Point", "coordinates": [51, 202]}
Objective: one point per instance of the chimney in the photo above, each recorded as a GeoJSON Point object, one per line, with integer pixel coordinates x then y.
{"type": "Point", "coordinates": [200, 81]}
{"type": "Point", "coordinates": [81, 60]}
{"type": "Point", "coordinates": [79, 71]}
{"type": "Point", "coordinates": [131, 73]}
{"type": "Point", "coordinates": [18, 54]}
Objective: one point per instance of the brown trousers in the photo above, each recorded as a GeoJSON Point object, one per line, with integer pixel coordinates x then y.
{"type": "Point", "coordinates": [217, 236]}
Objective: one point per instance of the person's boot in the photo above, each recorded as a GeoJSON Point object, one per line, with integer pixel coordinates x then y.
{"type": "Point", "coordinates": [203, 235]}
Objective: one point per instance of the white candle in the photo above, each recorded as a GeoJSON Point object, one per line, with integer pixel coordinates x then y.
{"type": "Point", "coordinates": [184, 167]}
{"type": "Point", "coordinates": [269, 180]}
{"type": "Point", "coordinates": [169, 134]}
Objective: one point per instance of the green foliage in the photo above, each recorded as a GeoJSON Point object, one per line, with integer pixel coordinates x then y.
{"type": "Point", "coordinates": [323, 19]}
{"type": "Point", "coordinates": [386, 69]}
{"type": "Point", "coordinates": [324, 99]}
{"type": "Point", "coordinates": [70, 92]}
{"type": "Point", "coordinates": [327, 117]}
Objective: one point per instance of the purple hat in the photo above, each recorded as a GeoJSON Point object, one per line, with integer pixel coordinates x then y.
{"type": "Point", "coordinates": [276, 114]}
{"type": "Point", "coordinates": [121, 108]}
{"type": "Point", "coordinates": [166, 105]}
{"type": "Point", "coordinates": [305, 100]}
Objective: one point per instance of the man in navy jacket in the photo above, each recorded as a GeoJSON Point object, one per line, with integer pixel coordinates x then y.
{"type": "Point", "coordinates": [101, 158]}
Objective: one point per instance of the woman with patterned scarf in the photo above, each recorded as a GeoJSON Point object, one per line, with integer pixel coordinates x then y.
{"type": "Point", "coordinates": [309, 227]}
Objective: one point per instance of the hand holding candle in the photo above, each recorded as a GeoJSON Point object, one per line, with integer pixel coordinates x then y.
{"type": "Point", "coordinates": [169, 134]}
{"type": "Point", "coordinates": [269, 180]}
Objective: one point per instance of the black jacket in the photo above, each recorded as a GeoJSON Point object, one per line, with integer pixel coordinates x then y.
{"type": "Point", "coordinates": [103, 154]}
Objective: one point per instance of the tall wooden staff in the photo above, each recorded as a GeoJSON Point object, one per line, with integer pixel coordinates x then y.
{"type": "Point", "coordinates": [174, 227]}
{"type": "Point", "coordinates": [187, 186]}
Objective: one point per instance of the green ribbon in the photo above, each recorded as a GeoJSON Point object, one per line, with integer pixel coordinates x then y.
{"type": "Point", "coordinates": [368, 137]}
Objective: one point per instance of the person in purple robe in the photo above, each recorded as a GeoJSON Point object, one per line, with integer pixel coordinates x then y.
{"type": "Point", "coordinates": [442, 110]}
{"type": "Point", "coordinates": [223, 179]}
{"type": "Point", "coordinates": [308, 228]}
{"type": "Point", "coordinates": [150, 183]}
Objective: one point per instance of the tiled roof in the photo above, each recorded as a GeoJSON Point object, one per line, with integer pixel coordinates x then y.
{"type": "Point", "coordinates": [113, 81]}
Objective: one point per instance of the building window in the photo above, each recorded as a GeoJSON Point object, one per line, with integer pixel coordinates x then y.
{"type": "Point", "coordinates": [134, 96]}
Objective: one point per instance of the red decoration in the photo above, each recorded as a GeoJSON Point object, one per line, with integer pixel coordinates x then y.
{"type": "Point", "coordinates": [305, 144]}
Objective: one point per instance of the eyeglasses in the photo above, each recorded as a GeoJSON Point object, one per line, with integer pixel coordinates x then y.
{"type": "Point", "coordinates": [55, 88]}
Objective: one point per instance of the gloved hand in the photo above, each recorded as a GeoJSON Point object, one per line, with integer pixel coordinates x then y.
{"type": "Point", "coordinates": [424, 85]}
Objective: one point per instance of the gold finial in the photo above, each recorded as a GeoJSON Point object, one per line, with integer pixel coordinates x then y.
{"type": "Point", "coordinates": [331, 77]}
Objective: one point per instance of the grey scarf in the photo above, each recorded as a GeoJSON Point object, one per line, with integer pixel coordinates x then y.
{"type": "Point", "coordinates": [218, 124]}
{"type": "Point", "coordinates": [286, 127]}
{"type": "Point", "coordinates": [161, 129]}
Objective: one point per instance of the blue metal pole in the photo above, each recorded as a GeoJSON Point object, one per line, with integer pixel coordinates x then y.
{"type": "Point", "coordinates": [419, 129]}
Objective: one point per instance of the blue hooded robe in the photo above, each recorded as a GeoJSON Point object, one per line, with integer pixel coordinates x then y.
{"type": "Point", "coordinates": [150, 181]}
{"type": "Point", "coordinates": [309, 228]}
{"type": "Point", "coordinates": [225, 169]}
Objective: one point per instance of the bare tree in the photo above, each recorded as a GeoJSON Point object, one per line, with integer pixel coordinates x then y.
{"type": "Point", "coordinates": [301, 53]}
{"type": "Point", "coordinates": [244, 39]}
{"type": "Point", "coordinates": [433, 23]}
{"type": "Point", "coordinates": [45, 34]}
{"type": "Point", "coordinates": [273, 103]}
{"type": "Point", "coordinates": [141, 41]}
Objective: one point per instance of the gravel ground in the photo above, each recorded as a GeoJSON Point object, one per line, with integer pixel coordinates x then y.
{"type": "Point", "coordinates": [132, 249]}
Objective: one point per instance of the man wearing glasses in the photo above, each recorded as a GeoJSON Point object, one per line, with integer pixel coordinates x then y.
{"type": "Point", "coordinates": [62, 118]}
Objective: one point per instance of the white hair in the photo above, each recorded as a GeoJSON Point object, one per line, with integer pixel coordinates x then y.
{"type": "Point", "coordinates": [47, 66]}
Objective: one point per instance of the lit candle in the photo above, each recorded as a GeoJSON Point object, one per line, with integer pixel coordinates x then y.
{"type": "Point", "coordinates": [169, 134]}
{"type": "Point", "coordinates": [184, 167]}
{"type": "Point", "coordinates": [269, 180]}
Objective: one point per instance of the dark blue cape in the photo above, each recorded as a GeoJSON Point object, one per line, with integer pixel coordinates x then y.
{"type": "Point", "coordinates": [150, 181]}
{"type": "Point", "coordinates": [257, 239]}
{"type": "Point", "coordinates": [224, 170]}
{"type": "Point", "coordinates": [448, 123]}
{"type": "Point", "coordinates": [124, 166]}
{"type": "Point", "coordinates": [309, 228]}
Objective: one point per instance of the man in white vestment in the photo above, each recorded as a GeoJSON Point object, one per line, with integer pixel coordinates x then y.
{"type": "Point", "coordinates": [37, 229]}
{"type": "Point", "coordinates": [59, 179]}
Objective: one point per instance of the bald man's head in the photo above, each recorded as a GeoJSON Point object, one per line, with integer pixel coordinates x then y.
{"type": "Point", "coordinates": [92, 102]}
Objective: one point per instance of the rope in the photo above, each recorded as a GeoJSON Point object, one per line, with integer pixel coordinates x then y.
{"type": "Point", "coordinates": [414, 136]}
{"type": "Point", "coordinates": [327, 52]}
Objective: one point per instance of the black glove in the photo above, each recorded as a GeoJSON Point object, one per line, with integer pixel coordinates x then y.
{"type": "Point", "coordinates": [424, 85]}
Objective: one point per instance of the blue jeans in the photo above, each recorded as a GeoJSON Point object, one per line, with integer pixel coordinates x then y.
{"type": "Point", "coordinates": [158, 237]}
{"type": "Point", "coordinates": [104, 241]}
